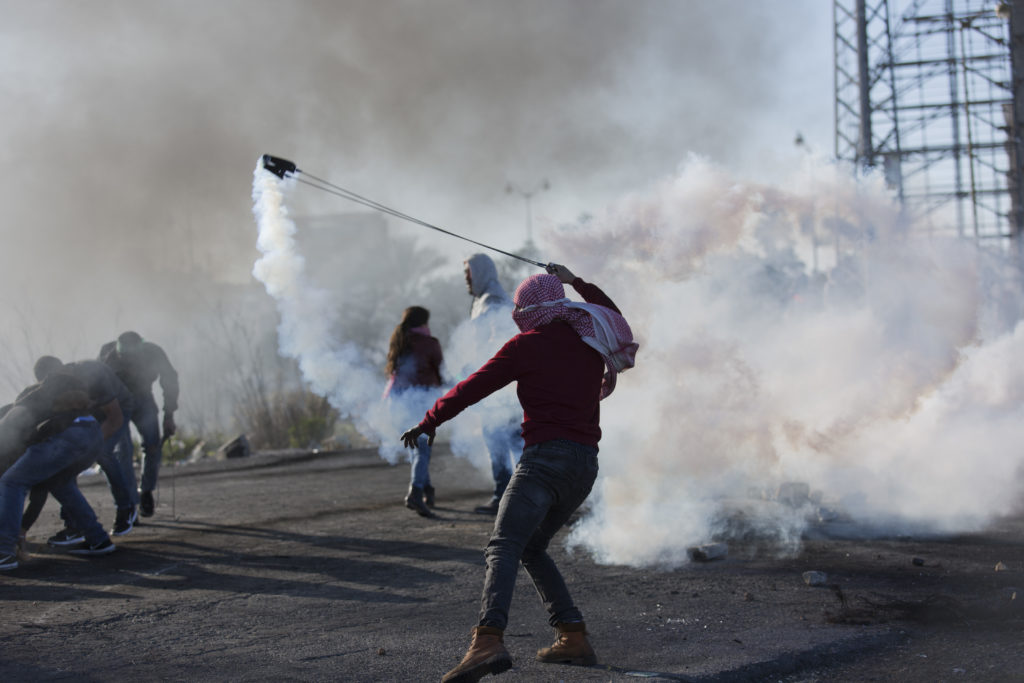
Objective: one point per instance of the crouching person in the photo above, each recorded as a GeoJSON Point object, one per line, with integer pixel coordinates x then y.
{"type": "Point", "coordinates": [59, 437]}
{"type": "Point", "coordinates": [561, 379]}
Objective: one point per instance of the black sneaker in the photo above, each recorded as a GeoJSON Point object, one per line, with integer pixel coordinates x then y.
{"type": "Point", "coordinates": [146, 504]}
{"type": "Point", "coordinates": [125, 521]}
{"type": "Point", "coordinates": [64, 537]}
{"type": "Point", "coordinates": [8, 562]}
{"type": "Point", "coordinates": [104, 547]}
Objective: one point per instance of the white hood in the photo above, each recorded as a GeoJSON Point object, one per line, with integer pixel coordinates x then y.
{"type": "Point", "coordinates": [488, 294]}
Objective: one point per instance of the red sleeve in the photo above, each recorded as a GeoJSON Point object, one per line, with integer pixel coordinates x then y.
{"type": "Point", "coordinates": [499, 371]}
{"type": "Point", "coordinates": [592, 294]}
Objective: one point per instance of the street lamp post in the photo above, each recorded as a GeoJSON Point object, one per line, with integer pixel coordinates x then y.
{"type": "Point", "coordinates": [527, 195]}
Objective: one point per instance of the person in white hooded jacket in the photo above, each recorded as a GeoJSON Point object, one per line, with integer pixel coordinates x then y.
{"type": "Point", "coordinates": [491, 316]}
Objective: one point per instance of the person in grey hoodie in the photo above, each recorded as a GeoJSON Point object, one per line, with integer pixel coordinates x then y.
{"type": "Point", "coordinates": [491, 316]}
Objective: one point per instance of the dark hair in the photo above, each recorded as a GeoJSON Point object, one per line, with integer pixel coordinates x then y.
{"type": "Point", "coordinates": [45, 365]}
{"type": "Point", "coordinates": [414, 316]}
{"type": "Point", "coordinates": [128, 340]}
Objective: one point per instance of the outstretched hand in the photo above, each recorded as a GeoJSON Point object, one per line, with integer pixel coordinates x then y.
{"type": "Point", "coordinates": [412, 435]}
{"type": "Point", "coordinates": [561, 272]}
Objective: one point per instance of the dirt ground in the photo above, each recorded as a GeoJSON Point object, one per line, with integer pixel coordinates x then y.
{"type": "Point", "coordinates": [306, 567]}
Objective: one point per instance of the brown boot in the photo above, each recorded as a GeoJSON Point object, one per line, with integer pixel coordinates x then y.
{"type": "Point", "coordinates": [570, 647]}
{"type": "Point", "coordinates": [486, 655]}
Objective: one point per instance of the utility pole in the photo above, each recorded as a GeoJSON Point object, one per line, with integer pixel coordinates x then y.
{"type": "Point", "coordinates": [512, 188]}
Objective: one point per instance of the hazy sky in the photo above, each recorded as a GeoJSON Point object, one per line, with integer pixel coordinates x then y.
{"type": "Point", "coordinates": [130, 129]}
{"type": "Point", "coordinates": [128, 124]}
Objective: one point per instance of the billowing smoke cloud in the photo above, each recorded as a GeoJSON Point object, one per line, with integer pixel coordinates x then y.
{"type": "Point", "coordinates": [883, 381]}
{"type": "Point", "coordinates": [794, 337]}
{"type": "Point", "coordinates": [797, 330]}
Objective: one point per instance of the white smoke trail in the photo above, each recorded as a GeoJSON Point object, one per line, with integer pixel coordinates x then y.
{"type": "Point", "coordinates": [339, 370]}
{"type": "Point", "coordinates": [333, 368]}
{"type": "Point", "coordinates": [876, 385]}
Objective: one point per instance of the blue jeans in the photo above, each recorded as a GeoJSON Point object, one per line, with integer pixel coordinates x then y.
{"type": "Point", "coordinates": [118, 467]}
{"type": "Point", "coordinates": [552, 479]}
{"type": "Point", "coordinates": [56, 463]}
{"type": "Point", "coordinates": [505, 445]}
{"type": "Point", "coordinates": [147, 421]}
{"type": "Point", "coordinates": [421, 463]}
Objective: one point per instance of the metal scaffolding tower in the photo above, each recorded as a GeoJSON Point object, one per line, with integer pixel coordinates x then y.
{"type": "Point", "coordinates": [930, 92]}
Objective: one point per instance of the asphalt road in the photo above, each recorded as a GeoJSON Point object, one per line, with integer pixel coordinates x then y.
{"type": "Point", "coordinates": [306, 567]}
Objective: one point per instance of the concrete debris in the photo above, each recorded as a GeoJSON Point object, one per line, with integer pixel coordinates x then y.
{"type": "Point", "coordinates": [238, 447]}
{"type": "Point", "coordinates": [197, 453]}
{"type": "Point", "coordinates": [815, 578]}
{"type": "Point", "coordinates": [708, 552]}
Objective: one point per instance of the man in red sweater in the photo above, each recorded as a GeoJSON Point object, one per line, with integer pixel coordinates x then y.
{"type": "Point", "coordinates": [558, 380]}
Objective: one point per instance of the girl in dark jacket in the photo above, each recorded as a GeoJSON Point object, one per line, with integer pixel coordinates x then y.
{"type": "Point", "coordinates": [414, 360]}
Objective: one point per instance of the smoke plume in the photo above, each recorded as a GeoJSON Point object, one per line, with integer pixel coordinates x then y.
{"type": "Point", "coordinates": [801, 336]}
{"type": "Point", "coordinates": [883, 380]}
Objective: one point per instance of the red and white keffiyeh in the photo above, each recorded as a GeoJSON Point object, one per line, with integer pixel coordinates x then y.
{"type": "Point", "coordinates": [539, 299]}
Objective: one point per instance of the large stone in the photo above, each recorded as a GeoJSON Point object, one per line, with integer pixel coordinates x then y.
{"type": "Point", "coordinates": [238, 447]}
{"type": "Point", "coordinates": [708, 552]}
{"type": "Point", "coordinates": [815, 578]}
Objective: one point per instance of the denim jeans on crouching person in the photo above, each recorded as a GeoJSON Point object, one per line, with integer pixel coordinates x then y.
{"type": "Point", "coordinates": [118, 467]}
{"type": "Point", "coordinates": [55, 462]}
{"type": "Point", "coordinates": [147, 420]}
{"type": "Point", "coordinates": [552, 479]}
{"type": "Point", "coordinates": [421, 463]}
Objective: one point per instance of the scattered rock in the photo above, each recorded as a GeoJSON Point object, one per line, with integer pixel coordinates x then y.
{"type": "Point", "coordinates": [708, 552]}
{"type": "Point", "coordinates": [815, 578]}
{"type": "Point", "coordinates": [238, 447]}
{"type": "Point", "coordinates": [917, 562]}
{"type": "Point", "coordinates": [1000, 567]}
